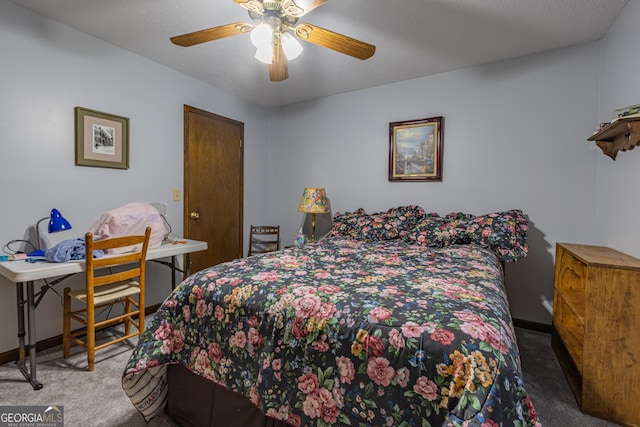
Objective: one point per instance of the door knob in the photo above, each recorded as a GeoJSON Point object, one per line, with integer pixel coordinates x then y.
{"type": "Point", "coordinates": [194, 215]}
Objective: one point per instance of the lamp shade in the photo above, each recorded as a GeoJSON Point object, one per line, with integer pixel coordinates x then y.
{"type": "Point", "coordinates": [314, 200]}
{"type": "Point", "coordinates": [292, 47]}
{"type": "Point", "coordinates": [58, 222]}
{"type": "Point", "coordinates": [262, 36]}
{"type": "Point", "coordinates": [264, 54]}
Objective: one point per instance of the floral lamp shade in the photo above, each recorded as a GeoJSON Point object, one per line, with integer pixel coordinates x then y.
{"type": "Point", "coordinates": [314, 200]}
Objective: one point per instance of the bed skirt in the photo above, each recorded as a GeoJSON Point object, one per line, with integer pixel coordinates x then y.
{"type": "Point", "coordinates": [189, 394]}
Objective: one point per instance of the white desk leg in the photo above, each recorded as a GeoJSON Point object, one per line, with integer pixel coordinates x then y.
{"type": "Point", "coordinates": [29, 374]}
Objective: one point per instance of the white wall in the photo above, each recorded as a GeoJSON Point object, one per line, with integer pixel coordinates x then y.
{"type": "Point", "coordinates": [47, 70]}
{"type": "Point", "coordinates": [618, 202]}
{"type": "Point", "coordinates": [514, 138]}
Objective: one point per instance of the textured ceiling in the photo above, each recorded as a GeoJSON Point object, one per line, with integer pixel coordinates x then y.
{"type": "Point", "coordinates": [414, 38]}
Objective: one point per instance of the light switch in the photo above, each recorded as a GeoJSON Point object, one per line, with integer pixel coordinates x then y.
{"type": "Point", "coordinates": [176, 195]}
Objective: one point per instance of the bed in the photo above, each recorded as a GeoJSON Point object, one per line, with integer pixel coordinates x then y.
{"type": "Point", "coordinates": [398, 318]}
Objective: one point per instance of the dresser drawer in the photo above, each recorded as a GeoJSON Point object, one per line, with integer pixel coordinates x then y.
{"type": "Point", "coordinates": [571, 274]}
{"type": "Point", "coordinates": [570, 327]}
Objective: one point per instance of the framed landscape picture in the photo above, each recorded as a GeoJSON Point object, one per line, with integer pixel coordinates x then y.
{"type": "Point", "coordinates": [102, 139]}
{"type": "Point", "coordinates": [415, 150]}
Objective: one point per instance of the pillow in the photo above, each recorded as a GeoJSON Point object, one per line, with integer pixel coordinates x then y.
{"type": "Point", "coordinates": [503, 232]}
{"type": "Point", "coordinates": [346, 225]}
{"type": "Point", "coordinates": [362, 226]}
{"type": "Point", "coordinates": [378, 226]}
{"type": "Point", "coordinates": [458, 216]}
{"type": "Point", "coordinates": [405, 218]}
{"type": "Point", "coordinates": [433, 231]}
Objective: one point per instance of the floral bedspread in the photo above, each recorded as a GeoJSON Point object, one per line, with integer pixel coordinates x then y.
{"type": "Point", "coordinates": [345, 332]}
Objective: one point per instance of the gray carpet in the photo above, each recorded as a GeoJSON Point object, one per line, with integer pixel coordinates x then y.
{"type": "Point", "coordinates": [547, 386]}
{"type": "Point", "coordinates": [90, 399]}
{"type": "Point", "coordinates": [96, 398]}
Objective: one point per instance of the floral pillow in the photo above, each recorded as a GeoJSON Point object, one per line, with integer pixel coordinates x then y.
{"type": "Point", "coordinates": [394, 223]}
{"type": "Point", "coordinates": [346, 224]}
{"type": "Point", "coordinates": [435, 231]}
{"type": "Point", "coordinates": [378, 226]}
{"type": "Point", "coordinates": [362, 226]}
{"type": "Point", "coordinates": [505, 233]}
{"type": "Point", "coordinates": [458, 216]}
{"type": "Point", "coordinates": [405, 218]}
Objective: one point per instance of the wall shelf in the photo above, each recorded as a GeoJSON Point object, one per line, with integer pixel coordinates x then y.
{"type": "Point", "coordinates": [621, 135]}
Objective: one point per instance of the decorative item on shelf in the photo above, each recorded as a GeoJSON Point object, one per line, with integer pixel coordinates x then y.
{"type": "Point", "coordinates": [626, 112]}
{"type": "Point", "coordinates": [313, 201]}
{"type": "Point", "coordinates": [56, 223]}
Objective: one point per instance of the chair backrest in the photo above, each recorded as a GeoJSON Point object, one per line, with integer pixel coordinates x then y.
{"type": "Point", "coordinates": [263, 239]}
{"type": "Point", "coordinates": [133, 262]}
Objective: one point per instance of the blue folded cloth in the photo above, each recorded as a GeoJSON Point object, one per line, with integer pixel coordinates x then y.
{"type": "Point", "coordinates": [67, 250]}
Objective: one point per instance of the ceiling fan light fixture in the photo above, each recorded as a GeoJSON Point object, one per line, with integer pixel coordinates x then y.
{"type": "Point", "coordinates": [262, 36]}
{"type": "Point", "coordinates": [292, 47]}
{"type": "Point", "coordinates": [272, 20]}
{"type": "Point", "coordinates": [264, 54]}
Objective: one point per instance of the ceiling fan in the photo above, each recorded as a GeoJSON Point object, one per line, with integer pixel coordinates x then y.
{"type": "Point", "coordinates": [273, 23]}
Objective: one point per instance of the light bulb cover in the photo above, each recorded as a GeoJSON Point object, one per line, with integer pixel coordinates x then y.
{"type": "Point", "coordinates": [264, 54]}
{"type": "Point", "coordinates": [262, 35]}
{"type": "Point", "coordinates": [291, 46]}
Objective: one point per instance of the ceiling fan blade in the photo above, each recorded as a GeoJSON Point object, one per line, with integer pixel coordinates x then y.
{"type": "Point", "coordinates": [338, 42]}
{"type": "Point", "coordinates": [278, 69]}
{"type": "Point", "coordinates": [298, 8]}
{"type": "Point", "coordinates": [211, 34]}
{"type": "Point", "coordinates": [251, 5]}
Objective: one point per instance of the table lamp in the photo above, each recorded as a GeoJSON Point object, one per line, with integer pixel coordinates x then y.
{"type": "Point", "coordinates": [313, 201]}
{"type": "Point", "coordinates": [56, 223]}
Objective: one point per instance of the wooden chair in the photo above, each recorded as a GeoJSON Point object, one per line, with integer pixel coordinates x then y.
{"type": "Point", "coordinates": [103, 291]}
{"type": "Point", "coordinates": [263, 239]}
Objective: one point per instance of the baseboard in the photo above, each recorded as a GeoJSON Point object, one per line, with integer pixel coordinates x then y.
{"type": "Point", "coordinates": [533, 326]}
{"type": "Point", "coordinates": [13, 355]}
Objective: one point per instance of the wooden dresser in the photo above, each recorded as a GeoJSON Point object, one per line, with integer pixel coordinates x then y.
{"type": "Point", "coordinates": [596, 329]}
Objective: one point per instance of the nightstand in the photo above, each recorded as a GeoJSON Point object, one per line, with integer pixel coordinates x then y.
{"type": "Point", "coordinates": [596, 329]}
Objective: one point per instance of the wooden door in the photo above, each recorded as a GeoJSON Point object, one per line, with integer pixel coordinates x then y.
{"type": "Point", "coordinates": [213, 186]}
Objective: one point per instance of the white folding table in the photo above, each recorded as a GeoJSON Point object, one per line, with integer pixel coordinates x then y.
{"type": "Point", "coordinates": [24, 273]}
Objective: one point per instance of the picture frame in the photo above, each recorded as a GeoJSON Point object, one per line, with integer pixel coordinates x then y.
{"type": "Point", "coordinates": [102, 139]}
{"type": "Point", "coordinates": [415, 150]}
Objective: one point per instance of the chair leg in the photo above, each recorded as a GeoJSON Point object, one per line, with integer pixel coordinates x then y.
{"type": "Point", "coordinates": [66, 324]}
{"type": "Point", "coordinates": [127, 320]}
{"type": "Point", "coordinates": [141, 315]}
{"type": "Point", "coordinates": [91, 336]}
